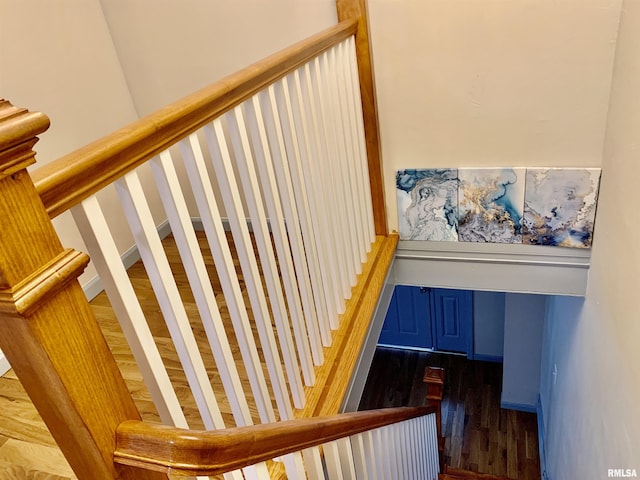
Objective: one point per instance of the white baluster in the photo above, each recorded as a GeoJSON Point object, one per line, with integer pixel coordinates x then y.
{"type": "Point", "coordinates": [225, 177]}
{"type": "Point", "coordinates": [271, 195]}
{"type": "Point", "coordinates": [252, 196]}
{"type": "Point", "coordinates": [176, 208]}
{"type": "Point", "coordinates": [359, 457]}
{"type": "Point", "coordinates": [332, 461]}
{"type": "Point", "coordinates": [364, 166]}
{"type": "Point", "coordinates": [353, 151]}
{"type": "Point", "coordinates": [332, 191]}
{"type": "Point", "coordinates": [315, 167]}
{"type": "Point", "coordinates": [216, 236]}
{"type": "Point", "coordinates": [319, 222]}
{"type": "Point", "coordinates": [344, 163]}
{"type": "Point", "coordinates": [287, 196]}
{"type": "Point", "coordinates": [300, 183]}
{"type": "Point", "coordinates": [157, 266]}
{"type": "Point", "coordinates": [113, 275]}
{"type": "Point", "coordinates": [313, 463]}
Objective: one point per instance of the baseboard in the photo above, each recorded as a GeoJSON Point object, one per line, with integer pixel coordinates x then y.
{"type": "Point", "coordinates": [487, 358]}
{"type": "Point", "coordinates": [544, 475]}
{"type": "Point", "coordinates": [521, 407]}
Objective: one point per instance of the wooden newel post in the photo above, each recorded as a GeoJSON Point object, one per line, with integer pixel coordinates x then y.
{"type": "Point", "coordinates": [47, 329]}
{"type": "Point", "coordinates": [357, 9]}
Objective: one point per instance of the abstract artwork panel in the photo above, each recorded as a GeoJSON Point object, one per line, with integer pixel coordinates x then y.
{"type": "Point", "coordinates": [427, 204]}
{"type": "Point", "coordinates": [560, 206]}
{"type": "Point", "coordinates": [490, 204]}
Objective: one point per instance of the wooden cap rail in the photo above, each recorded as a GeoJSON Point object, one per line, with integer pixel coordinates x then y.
{"type": "Point", "coordinates": [190, 452]}
{"type": "Point", "coordinates": [67, 181]}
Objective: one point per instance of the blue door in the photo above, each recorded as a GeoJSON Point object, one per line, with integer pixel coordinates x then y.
{"type": "Point", "coordinates": [452, 315]}
{"type": "Point", "coordinates": [432, 318]}
{"type": "Point", "coordinates": [408, 320]}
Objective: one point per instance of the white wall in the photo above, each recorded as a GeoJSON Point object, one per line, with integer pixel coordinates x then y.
{"type": "Point", "coordinates": [92, 65]}
{"type": "Point", "coordinates": [170, 49]}
{"type": "Point", "coordinates": [491, 82]}
{"type": "Point", "coordinates": [58, 58]}
{"type": "Point", "coordinates": [523, 330]}
{"type": "Point", "coordinates": [488, 324]}
{"type": "Point", "coordinates": [591, 412]}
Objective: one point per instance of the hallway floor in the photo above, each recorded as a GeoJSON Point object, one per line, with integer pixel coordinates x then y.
{"type": "Point", "coordinates": [480, 436]}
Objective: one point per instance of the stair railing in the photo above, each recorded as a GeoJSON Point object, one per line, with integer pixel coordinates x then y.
{"type": "Point", "coordinates": [285, 144]}
{"type": "Point", "coordinates": [399, 443]}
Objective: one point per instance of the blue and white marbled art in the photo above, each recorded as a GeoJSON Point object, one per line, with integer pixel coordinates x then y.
{"type": "Point", "coordinates": [490, 204]}
{"type": "Point", "coordinates": [427, 204]}
{"type": "Point", "coordinates": [560, 206]}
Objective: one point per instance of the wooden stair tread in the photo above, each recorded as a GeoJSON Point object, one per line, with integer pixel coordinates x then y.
{"type": "Point", "coordinates": [459, 474]}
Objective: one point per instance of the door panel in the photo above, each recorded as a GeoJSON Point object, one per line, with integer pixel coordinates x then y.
{"type": "Point", "coordinates": [452, 318]}
{"type": "Point", "coordinates": [408, 320]}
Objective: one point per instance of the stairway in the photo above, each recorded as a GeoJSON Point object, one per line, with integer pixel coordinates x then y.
{"type": "Point", "coordinates": [457, 474]}
{"type": "Point", "coordinates": [434, 379]}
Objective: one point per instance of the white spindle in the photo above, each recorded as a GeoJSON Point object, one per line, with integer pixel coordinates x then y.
{"type": "Point", "coordinates": [283, 178]}
{"type": "Point", "coordinates": [344, 162]}
{"type": "Point", "coordinates": [176, 208]}
{"type": "Point", "coordinates": [433, 444]}
{"type": "Point", "coordinates": [319, 223]}
{"type": "Point", "coordinates": [232, 199]}
{"type": "Point", "coordinates": [292, 140]}
{"type": "Point", "coordinates": [252, 197]}
{"type": "Point", "coordinates": [370, 456]}
{"type": "Point", "coordinates": [284, 249]}
{"type": "Point", "coordinates": [313, 463]}
{"type": "Point", "coordinates": [105, 256]}
{"type": "Point", "coordinates": [157, 266]}
{"type": "Point", "coordinates": [353, 153]}
{"type": "Point", "coordinates": [216, 236]}
{"type": "Point", "coordinates": [332, 461]}
{"type": "Point", "coordinates": [359, 456]}
{"type": "Point", "coordinates": [364, 166]}
{"type": "Point", "coordinates": [347, 462]}
{"type": "Point", "coordinates": [405, 449]}
{"type": "Point", "coordinates": [338, 171]}
{"type": "Point", "coordinates": [415, 444]}
{"type": "Point", "coordinates": [315, 169]}
{"type": "Point", "coordinates": [331, 182]}
{"type": "Point", "coordinates": [418, 442]}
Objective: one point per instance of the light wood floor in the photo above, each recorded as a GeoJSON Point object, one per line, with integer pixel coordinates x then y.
{"type": "Point", "coordinates": [480, 436]}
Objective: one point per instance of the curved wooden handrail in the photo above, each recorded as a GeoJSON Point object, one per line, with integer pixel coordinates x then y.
{"type": "Point", "coordinates": [67, 181]}
{"type": "Point", "coordinates": [190, 452]}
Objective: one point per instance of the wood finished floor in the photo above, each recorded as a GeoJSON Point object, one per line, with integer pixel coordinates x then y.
{"type": "Point", "coordinates": [480, 436]}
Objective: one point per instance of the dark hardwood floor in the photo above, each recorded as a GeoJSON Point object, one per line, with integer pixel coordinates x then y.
{"type": "Point", "coordinates": [480, 436]}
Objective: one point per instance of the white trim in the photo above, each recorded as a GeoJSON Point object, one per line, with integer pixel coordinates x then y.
{"type": "Point", "coordinates": [493, 267]}
{"type": "Point", "coordinates": [544, 475]}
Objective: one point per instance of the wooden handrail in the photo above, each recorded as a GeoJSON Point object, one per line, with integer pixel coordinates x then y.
{"type": "Point", "coordinates": [67, 181]}
{"type": "Point", "coordinates": [190, 452]}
